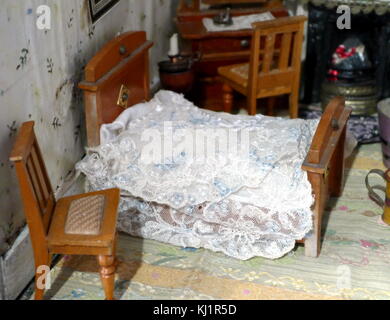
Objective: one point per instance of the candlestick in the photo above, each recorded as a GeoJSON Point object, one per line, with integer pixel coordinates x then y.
{"type": "Point", "coordinates": [173, 45]}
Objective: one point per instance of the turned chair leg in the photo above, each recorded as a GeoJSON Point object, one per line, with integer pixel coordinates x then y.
{"type": "Point", "coordinates": [270, 106]}
{"type": "Point", "coordinates": [43, 260]}
{"type": "Point", "coordinates": [252, 106]}
{"type": "Point", "coordinates": [39, 292]}
{"type": "Point", "coordinates": [293, 109]}
{"type": "Point", "coordinates": [116, 261]}
{"type": "Point", "coordinates": [227, 93]}
{"type": "Point", "coordinates": [107, 275]}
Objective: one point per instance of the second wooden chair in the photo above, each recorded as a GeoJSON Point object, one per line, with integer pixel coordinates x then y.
{"type": "Point", "coordinates": [274, 68]}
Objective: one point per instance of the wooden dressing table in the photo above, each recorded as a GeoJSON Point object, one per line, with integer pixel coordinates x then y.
{"type": "Point", "coordinates": [217, 48]}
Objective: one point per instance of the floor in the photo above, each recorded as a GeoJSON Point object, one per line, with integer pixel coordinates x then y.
{"type": "Point", "coordinates": [353, 263]}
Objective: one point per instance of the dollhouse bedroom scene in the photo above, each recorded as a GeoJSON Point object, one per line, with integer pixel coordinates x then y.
{"type": "Point", "coordinates": [195, 150]}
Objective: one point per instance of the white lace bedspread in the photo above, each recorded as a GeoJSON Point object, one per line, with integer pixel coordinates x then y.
{"type": "Point", "coordinates": [253, 203]}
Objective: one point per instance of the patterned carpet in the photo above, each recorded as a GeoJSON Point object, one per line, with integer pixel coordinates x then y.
{"type": "Point", "coordinates": [354, 261]}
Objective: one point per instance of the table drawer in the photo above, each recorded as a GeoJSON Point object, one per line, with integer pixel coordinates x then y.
{"type": "Point", "coordinates": [217, 45]}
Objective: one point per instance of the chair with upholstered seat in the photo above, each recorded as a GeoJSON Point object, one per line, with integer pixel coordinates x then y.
{"type": "Point", "coordinates": [274, 67]}
{"type": "Point", "coordinates": [84, 224]}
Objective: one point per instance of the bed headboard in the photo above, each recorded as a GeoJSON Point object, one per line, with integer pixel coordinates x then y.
{"type": "Point", "coordinates": [115, 78]}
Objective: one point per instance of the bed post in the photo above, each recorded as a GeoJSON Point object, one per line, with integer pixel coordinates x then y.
{"type": "Point", "coordinates": [336, 175]}
{"type": "Point", "coordinates": [94, 119]}
{"type": "Point", "coordinates": [313, 240]}
{"type": "Point", "coordinates": [324, 164]}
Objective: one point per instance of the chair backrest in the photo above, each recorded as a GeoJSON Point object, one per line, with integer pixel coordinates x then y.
{"type": "Point", "coordinates": [37, 193]}
{"type": "Point", "coordinates": [279, 63]}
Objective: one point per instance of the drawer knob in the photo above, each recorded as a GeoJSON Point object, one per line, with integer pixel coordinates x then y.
{"type": "Point", "coordinates": [244, 43]}
{"type": "Point", "coordinates": [122, 50]}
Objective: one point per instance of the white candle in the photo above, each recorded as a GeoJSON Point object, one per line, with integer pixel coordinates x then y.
{"type": "Point", "coordinates": [174, 45]}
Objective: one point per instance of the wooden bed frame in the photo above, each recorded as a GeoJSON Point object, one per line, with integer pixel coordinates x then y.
{"type": "Point", "coordinates": [119, 73]}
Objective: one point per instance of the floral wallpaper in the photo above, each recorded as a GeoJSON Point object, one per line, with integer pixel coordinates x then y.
{"type": "Point", "coordinates": [39, 72]}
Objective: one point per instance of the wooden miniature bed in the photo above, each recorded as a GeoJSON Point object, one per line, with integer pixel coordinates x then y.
{"type": "Point", "coordinates": [117, 77]}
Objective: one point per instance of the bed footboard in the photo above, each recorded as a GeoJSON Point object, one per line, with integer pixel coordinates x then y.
{"type": "Point", "coordinates": [324, 164]}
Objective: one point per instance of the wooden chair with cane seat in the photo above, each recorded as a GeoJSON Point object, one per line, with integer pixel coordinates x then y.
{"type": "Point", "coordinates": [274, 67]}
{"type": "Point", "coordinates": [83, 224]}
